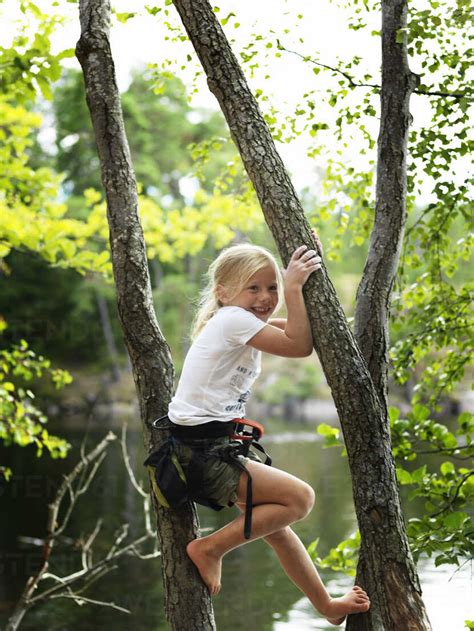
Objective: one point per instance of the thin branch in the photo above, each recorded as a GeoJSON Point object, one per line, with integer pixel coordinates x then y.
{"type": "Point", "coordinates": [82, 600]}
{"type": "Point", "coordinates": [458, 569]}
{"type": "Point", "coordinates": [454, 498]}
{"type": "Point", "coordinates": [85, 485]}
{"type": "Point", "coordinates": [83, 574]}
{"type": "Point", "coordinates": [446, 450]}
{"type": "Point", "coordinates": [120, 535]}
{"type": "Point", "coordinates": [81, 469]}
{"type": "Point", "coordinates": [357, 84]}
{"type": "Point", "coordinates": [347, 76]}
{"type": "Point", "coordinates": [126, 461]}
{"type": "Point", "coordinates": [86, 554]}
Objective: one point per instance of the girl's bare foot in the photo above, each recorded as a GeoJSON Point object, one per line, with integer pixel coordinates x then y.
{"type": "Point", "coordinates": [208, 565]}
{"type": "Point", "coordinates": [355, 601]}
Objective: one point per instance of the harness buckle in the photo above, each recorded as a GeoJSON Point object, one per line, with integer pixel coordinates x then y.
{"type": "Point", "coordinates": [241, 434]}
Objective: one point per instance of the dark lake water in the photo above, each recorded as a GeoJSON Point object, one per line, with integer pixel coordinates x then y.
{"type": "Point", "coordinates": [256, 595]}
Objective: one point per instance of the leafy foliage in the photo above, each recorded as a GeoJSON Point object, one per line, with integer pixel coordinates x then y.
{"type": "Point", "coordinates": [342, 558]}
{"type": "Point", "coordinates": [34, 221]}
{"type": "Point", "coordinates": [32, 217]}
{"type": "Point", "coordinates": [21, 422]}
{"type": "Point", "coordinates": [445, 530]}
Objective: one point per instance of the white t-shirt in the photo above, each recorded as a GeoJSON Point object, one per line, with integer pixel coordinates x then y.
{"type": "Point", "coordinates": [219, 370]}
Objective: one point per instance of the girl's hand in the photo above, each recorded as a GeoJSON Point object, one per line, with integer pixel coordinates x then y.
{"type": "Point", "coordinates": [301, 265]}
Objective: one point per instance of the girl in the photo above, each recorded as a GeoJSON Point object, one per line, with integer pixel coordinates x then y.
{"type": "Point", "coordinates": [233, 325]}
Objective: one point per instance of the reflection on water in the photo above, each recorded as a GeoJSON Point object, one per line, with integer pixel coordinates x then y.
{"type": "Point", "coordinates": [256, 594]}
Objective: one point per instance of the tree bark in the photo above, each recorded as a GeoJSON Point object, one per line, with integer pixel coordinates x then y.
{"type": "Point", "coordinates": [373, 295]}
{"type": "Point", "coordinates": [374, 292]}
{"type": "Point", "coordinates": [391, 578]}
{"type": "Point", "coordinates": [187, 602]}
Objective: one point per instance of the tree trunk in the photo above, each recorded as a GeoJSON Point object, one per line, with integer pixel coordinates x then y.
{"type": "Point", "coordinates": [373, 295]}
{"type": "Point", "coordinates": [391, 578]}
{"type": "Point", "coordinates": [374, 292]}
{"type": "Point", "coordinates": [188, 605]}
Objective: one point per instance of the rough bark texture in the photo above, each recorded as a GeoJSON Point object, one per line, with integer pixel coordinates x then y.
{"type": "Point", "coordinates": [373, 295]}
{"type": "Point", "coordinates": [391, 578]}
{"type": "Point", "coordinates": [188, 605]}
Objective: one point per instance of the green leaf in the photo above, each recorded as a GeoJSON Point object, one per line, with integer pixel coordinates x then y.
{"type": "Point", "coordinates": [330, 434]}
{"type": "Point", "coordinates": [400, 36]}
{"type": "Point", "coordinates": [124, 17]}
{"type": "Point", "coordinates": [393, 413]}
{"type": "Point", "coordinates": [447, 468]}
{"type": "Point", "coordinates": [455, 520]}
{"type": "Point", "coordinates": [419, 474]}
{"type": "Point", "coordinates": [404, 476]}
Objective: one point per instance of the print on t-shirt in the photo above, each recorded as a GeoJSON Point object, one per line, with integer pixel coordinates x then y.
{"type": "Point", "coordinates": [241, 379]}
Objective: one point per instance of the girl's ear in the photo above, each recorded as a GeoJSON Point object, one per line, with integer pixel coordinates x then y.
{"type": "Point", "coordinates": [221, 294]}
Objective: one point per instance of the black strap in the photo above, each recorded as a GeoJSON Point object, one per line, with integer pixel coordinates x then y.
{"type": "Point", "coordinates": [268, 460]}
{"type": "Point", "coordinates": [248, 508]}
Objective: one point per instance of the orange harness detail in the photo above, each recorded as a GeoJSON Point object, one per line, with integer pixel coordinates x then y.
{"type": "Point", "coordinates": [257, 432]}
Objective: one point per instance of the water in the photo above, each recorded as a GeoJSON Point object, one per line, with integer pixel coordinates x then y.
{"type": "Point", "coordinates": [256, 595]}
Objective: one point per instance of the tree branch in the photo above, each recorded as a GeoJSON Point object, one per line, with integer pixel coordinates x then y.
{"type": "Point", "coordinates": [454, 498]}
{"type": "Point", "coordinates": [73, 486]}
{"type": "Point", "coordinates": [359, 84]}
{"type": "Point", "coordinates": [386, 239]}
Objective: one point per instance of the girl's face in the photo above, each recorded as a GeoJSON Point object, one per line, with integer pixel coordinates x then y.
{"type": "Point", "coordinates": [259, 294]}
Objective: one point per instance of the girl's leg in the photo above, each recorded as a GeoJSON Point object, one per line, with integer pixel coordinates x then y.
{"type": "Point", "coordinates": [280, 499]}
{"type": "Point", "coordinates": [297, 563]}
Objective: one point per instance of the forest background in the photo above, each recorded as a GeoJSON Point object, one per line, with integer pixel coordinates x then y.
{"type": "Point", "coordinates": [57, 302]}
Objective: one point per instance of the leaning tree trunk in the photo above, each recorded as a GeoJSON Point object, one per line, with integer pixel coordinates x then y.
{"type": "Point", "coordinates": [373, 295]}
{"type": "Point", "coordinates": [391, 578]}
{"type": "Point", "coordinates": [187, 601]}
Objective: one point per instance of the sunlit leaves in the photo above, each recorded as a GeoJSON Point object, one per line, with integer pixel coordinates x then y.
{"type": "Point", "coordinates": [124, 17]}
{"type": "Point", "coordinates": [29, 65]}
{"type": "Point", "coordinates": [330, 434]}
{"type": "Point", "coordinates": [33, 219]}
{"type": "Point", "coordinates": [173, 234]}
{"type": "Point", "coordinates": [21, 422]}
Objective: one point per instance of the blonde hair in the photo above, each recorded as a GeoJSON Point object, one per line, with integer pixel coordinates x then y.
{"type": "Point", "coordinates": [232, 269]}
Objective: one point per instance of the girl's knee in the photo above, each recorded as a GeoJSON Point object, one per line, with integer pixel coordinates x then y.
{"type": "Point", "coordinates": [307, 499]}
{"type": "Point", "coordinates": [304, 501]}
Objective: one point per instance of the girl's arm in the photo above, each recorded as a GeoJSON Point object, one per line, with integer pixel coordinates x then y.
{"type": "Point", "coordinates": [291, 338]}
{"type": "Point", "coordinates": [280, 323]}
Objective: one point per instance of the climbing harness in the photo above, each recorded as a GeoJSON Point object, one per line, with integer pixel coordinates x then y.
{"type": "Point", "coordinates": [173, 486]}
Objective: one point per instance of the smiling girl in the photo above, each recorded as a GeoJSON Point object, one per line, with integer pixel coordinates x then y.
{"type": "Point", "coordinates": [233, 326]}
